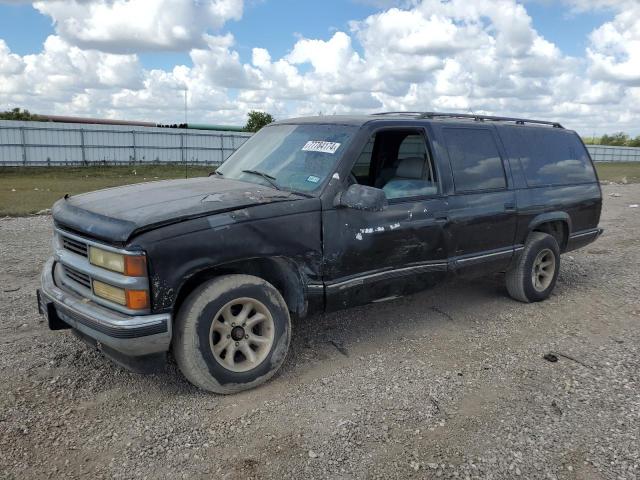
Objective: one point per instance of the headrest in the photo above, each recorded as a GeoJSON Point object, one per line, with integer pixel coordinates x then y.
{"type": "Point", "coordinates": [410, 167]}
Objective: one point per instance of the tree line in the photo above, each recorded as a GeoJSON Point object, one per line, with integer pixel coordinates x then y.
{"type": "Point", "coordinates": [255, 121]}
{"type": "Point", "coordinates": [19, 114]}
{"type": "Point", "coordinates": [619, 139]}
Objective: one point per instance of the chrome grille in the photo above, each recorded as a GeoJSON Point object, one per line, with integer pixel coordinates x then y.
{"type": "Point", "coordinates": [75, 246]}
{"type": "Point", "coordinates": [77, 276]}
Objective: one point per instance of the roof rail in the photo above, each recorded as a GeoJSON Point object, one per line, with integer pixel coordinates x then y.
{"type": "Point", "coordinates": [480, 118]}
{"type": "Point", "coordinates": [476, 117]}
{"type": "Point", "coordinates": [413, 114]}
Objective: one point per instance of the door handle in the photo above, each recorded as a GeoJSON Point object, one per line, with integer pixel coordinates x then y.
{"type": "Point", "coordinates": [509, 207]}
{"type": "Point", "coordinates": [442, 219]}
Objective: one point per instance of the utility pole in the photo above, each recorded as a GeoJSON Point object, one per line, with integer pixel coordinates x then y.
{"type": "Point", "coordinates": [184, 135]}
{"type": "Point", "coordinates": [186, 90]}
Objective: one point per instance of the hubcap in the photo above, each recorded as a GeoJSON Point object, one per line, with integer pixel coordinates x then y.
{"type": "Point", "coordinates": [241, 334]}
{"type": "Point", "coordinates": [544, 268]}
{"type": "Point", "coordinates": [237, 333]}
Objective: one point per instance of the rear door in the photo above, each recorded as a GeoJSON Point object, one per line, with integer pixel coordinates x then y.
{"type": "Point", "coordinates": [482, 201]}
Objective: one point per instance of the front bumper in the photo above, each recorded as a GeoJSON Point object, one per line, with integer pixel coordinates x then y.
{"type": "Point", "coordinates": [114, 332]}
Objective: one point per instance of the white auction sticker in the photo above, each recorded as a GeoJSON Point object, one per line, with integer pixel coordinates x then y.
{"type": "Point", "coordinates": [321, 146]}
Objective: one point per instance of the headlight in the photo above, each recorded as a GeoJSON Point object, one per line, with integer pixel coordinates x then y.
{"type": "Point", "coordinates": [130, 265]}
{"type": "Point", "coordinates": [133, 299]}
{"type": "Point", "coordinates": [109, 292]}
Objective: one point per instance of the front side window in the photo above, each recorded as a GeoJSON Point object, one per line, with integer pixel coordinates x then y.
{"type": "Point", "coordinates": [291, 157]}
{"type": "Point", "coordinates": [398, 162]}
{"type": "Point", "coordinates": [475, 160]}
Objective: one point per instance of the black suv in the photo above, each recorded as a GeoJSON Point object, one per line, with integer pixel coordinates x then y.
{"type": "Point", "coordinates": [313, 215]}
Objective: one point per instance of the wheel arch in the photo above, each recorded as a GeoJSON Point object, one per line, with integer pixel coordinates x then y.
{"type": "Point", "coordinates": [281, 272]}
{"type": "Point", "coordinates": [556, 224]}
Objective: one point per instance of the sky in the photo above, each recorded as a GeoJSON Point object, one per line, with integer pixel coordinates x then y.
{"type": "Point", "coordinates": [572, 61]}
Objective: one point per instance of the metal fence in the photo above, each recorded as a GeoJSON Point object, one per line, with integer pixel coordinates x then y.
{"type": "Point", "coordinates": [602, 153]}
{"type": "Point", "coordinates": [43, 144]}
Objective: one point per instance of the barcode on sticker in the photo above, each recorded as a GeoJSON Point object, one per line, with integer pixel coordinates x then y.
{"type": "Point", "coordinates": [320, 146]}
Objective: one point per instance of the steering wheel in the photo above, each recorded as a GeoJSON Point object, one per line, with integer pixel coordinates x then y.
{"type": "Point", "coordinates": [352, 180]}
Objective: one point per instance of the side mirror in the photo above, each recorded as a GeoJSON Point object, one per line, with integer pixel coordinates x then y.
{"type": "Point", "coordinates": [361, 197]}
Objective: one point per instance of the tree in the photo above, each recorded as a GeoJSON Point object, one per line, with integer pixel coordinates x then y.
{"type": "Point", "coordinates": [634, 142]}
{"type": "Point", "coordinates": [17, 114]}
{"type": "Point", "coordinates": [619, 139]}
{"type": "Point", "coordinates": [257, 120]}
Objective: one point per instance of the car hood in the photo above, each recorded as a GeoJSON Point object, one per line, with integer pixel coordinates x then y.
{"type": "Point", "coordinates": [116, 214]}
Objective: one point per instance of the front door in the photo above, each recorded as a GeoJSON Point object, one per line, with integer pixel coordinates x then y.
{"type": "Point", "coordinates": [377, 256]}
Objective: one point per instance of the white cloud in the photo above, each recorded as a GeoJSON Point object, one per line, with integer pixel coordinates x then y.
{"type": "Point", "coordinates": [10, 63]}
{"type": "Point", "coordinates": [61, 71]}
{"type": "Point", "coordinates": [590, 5]}
{"type": "Point", "coordinates": [614, 51]}
{"type": "Point", "coordinates": [465, 55]}
{"type": "Point", "coordinates": [125, 26]}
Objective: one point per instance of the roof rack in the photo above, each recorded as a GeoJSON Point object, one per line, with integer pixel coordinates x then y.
{"type": "Point", "coordinates": [412, 114]}
{"type": "Point", "coordinates": [477, 118]}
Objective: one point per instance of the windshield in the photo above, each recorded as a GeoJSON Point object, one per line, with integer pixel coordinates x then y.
{"type": "Point", "coordinates": [289, 157]}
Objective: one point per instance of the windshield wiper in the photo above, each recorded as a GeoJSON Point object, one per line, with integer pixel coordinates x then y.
{"type": "Point", "coordinates": [266, 176]}
{"type": "Point", "coordinates": [216, 172]}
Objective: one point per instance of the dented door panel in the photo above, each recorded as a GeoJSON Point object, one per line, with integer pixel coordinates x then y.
{"type": "Point", "coordinates": [373, 256]}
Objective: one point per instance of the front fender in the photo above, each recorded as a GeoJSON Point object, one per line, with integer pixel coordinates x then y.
{"type": "Point", "coordinates": [179, 253]}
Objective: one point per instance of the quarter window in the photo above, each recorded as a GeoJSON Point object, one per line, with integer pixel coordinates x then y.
{"type": "Point", "coordinates": [555, 158]}
{"type": "Point", "coordinates": [475, 160]}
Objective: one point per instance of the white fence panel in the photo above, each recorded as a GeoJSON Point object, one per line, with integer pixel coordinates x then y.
{"type": "Point", "coordinates": [605, 153]}
{"type": "Point", "coordinates": [43, 143]}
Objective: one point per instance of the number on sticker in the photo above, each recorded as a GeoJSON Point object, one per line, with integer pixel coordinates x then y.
{"type": "Point", "coordinates": [321, 146]}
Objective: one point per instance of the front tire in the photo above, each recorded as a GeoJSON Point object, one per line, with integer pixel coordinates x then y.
{"type": "Point", "coordinates": [534, 276]}
{"type": "Point", "coordinates": [232, 333]}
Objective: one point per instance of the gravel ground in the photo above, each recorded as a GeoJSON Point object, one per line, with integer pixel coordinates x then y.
{"type": "Point", "coordinates": [449, 383]}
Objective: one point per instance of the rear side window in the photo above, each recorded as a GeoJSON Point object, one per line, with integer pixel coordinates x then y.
{"type": "Point", "coordinates": [554, 158]}
{"type": "Point", "coordinates": [475, 159]}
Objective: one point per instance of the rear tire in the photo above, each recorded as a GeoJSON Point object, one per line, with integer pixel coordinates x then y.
{"type": "Point", "coordinates": [534, 276]}
{"type": "Point", "coordinates": [232, 333]}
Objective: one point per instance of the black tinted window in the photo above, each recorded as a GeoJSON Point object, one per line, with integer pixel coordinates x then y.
{"type": "Point", "coordinates": [475, 160]}
{"type": "Point", "coordinates": [554, 158]}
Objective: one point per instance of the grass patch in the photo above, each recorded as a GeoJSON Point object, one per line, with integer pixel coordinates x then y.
{"type": "Point", "coordinates": [618, 171]}
{"type": "Point", "coordinates": [26, 190]}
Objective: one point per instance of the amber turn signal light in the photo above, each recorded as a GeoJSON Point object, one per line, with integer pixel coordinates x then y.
{"type": "Point", "coordinates": [137, 299]}
{"type": "Point", "coordinates": [135, 266]}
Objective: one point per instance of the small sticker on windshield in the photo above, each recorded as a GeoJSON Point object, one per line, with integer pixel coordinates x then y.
{"type": "Point", "coordinates": [313, 179]}
{"type": "Point", "coordinates": [321, 146]}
